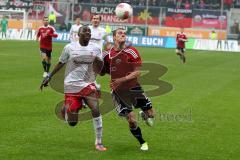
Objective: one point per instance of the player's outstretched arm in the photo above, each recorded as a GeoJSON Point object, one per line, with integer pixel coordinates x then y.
{"type": "Point", "coordinates": [47, 79]}
{"type": "Point", "coordinates": [54, 35]}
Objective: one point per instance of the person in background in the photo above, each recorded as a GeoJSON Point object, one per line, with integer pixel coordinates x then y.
{"type": "Point", "coordinates": [213, 35]}
{"type": "Point", "coordinates": [4, 27]}
{"type": "Point", "coordinates": [74, 30]}
{"type": "Point", "coordinates": [181, 38]}
{"type": "Point", "coordinates": [187, 5]}
{"type": "Point", "coordinates": [52, 18]}
{"type": "Point", "coordinates": [44, 35]}
{"type": "Point", "coordinates": [108, 28]}
{"type": "Point", "coordinates": [99, 34]}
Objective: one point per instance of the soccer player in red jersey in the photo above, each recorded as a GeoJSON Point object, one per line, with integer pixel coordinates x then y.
{"type": "Point", "coordinates": [180, 40]}
{"type": "Point", "coordinates": [45, 35]}
{"type": "Point", "coordinates": [123, 64]}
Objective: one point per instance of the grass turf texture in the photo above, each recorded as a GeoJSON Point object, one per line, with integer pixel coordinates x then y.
{"type": "Point", "coordinates": [208, 85]}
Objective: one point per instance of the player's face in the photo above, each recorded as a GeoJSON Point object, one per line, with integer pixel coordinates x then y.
{"type": "Point", "coordinates": [85, 34]}
{"type": "Point", "coordinates": [77, 21]}
{"type": "Point", "coordinates": [182, 30]}
{"type": "Point", "coordinates": [120, 36]}
{"type": "Point", "coordinates": [45, 21]}
{"type": "Point", "coordinates": [96, 20]}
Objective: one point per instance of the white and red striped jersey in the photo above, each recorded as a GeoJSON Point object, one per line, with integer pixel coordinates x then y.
{"type": "Point", "coordinates": [79, 71]}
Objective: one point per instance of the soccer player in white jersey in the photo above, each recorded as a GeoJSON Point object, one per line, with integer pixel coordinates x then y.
{"type": "Point", "coordinates": [74, 30]}
{"type": "Point", "coordinates": [80, 75]}
{"type": "Point", "coordinates": [99, 34]}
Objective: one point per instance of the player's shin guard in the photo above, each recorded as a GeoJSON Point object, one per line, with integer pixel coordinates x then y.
{"type": "Point", "coordinates": [97, 124]}
{"type": "Point", "coordinates": [48, 65]}
{"type": "Point", "coordinates": [136, 132]}
{"type": "Point", "coordinates": [44, 64]}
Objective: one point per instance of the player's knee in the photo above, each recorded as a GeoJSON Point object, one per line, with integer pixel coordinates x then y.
{"type": "Point", "coordinates": [177, 51]}
{"type": "Point", "coordinates": [72, 124]}
{"type": "Point", "coordinates": [95, 112]}
{"type": "Point", "coordinates": [94, 109]}
{"type": "Point", "coordinates": [132, 122]}
{"type": "Point", "coordinates": [72, 118]}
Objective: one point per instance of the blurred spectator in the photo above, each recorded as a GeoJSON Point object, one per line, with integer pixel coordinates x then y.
{"type": "Point", "coordinates": [141, 3]}
{"type": "Point", "coordinates": [3, 3]}
{"type": "Point", "coordinates": [194, 5]}
{"type": "Point", "coordinates": [228, 4]}
{"type": "Point", "coordinates": [201, 4]}
{"type": "Point", "coordinates": [187, 5]}
{"type": "Point", "coordinates": [179, 3]}
{"type": "Point", "coordinates": [154, 3]}
{"type": "Point", "coordinates": [236, 3]}
{"type": "Point", "coordinates": [170, 3]}
{"type": "Point", "coordinates": [235, 27]}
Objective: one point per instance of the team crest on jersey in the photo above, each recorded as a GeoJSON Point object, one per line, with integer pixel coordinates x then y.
{"type": "Point", "coordinates": [118, 61]}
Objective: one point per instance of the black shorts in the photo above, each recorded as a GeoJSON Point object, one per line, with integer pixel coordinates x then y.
{"type": "Point", "coordinates": [46, 52]}
{"type": "Point", "coordinates": [136, 99]}
{"type": "Point", "coordinates": [181, 49]}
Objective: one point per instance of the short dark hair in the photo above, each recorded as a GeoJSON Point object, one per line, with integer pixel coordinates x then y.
{"type": "Point", "coordinates": [45, 17]}
{"type": "Point", "coordinates": [96, 14]}
{"type": "Point", "coordinates": [81, 28]}
{"type": "Point", "coordinates": [77, 17]}
{"type": "Point", "coordinates": [115, 31]}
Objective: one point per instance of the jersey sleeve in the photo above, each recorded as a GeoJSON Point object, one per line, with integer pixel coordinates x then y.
{"type": "Point", "coordinates": [185, 37]}
{"type": "Point", "coordinates": [133, 55]}
{"type": "Point", "coordinates": [53, 33]}
{"type": "Point", "coordinates": [105, 54]}
{"type": "Point", "coordinates": [65, 55]}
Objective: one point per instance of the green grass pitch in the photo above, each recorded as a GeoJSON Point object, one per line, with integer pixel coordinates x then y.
{"type": "Point", "coordinates": [206, 91]}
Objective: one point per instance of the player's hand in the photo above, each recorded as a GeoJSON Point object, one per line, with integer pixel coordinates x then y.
{"type": "Point", "coordinates": [45, 82]}
{"type": "Point", "coordinates": [116, 82]}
